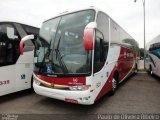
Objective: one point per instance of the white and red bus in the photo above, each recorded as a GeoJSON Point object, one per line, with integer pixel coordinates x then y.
{"type": "Point", "coordinates": [15, 69]}
{"type": "Point", "coordinates": [82, 55]}
{"type": "Point", "coordinates": [152, 60]}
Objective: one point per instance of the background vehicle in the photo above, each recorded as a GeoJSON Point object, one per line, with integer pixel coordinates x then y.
{"type": "Point", "coordinates": [15, 69]}
{"type": "Point", "coordinates": [152, 60]}
{"type": "Point", "coordinates": [82, 55]}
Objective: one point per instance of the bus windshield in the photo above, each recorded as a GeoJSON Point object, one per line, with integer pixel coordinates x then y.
{"type": "Point", "coordinates": [60, 48]}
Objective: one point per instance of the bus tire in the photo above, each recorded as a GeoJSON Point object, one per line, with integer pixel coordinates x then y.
{"type": "Point", "coordinates": [150, 70]}
{"type": "Point", "coordinates": [114, 85]}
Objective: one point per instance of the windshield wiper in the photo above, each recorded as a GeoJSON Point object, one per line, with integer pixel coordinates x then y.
{"type": "Point", "coordinates": [60, 59]}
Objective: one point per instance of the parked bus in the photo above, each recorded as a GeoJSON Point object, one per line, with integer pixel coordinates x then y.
{"type": "Point", "coordinates": [80, 56]}
{"type": "Point", "coordinates": [152, 61]}
{"type": "Point", "coordinates": [15, 69]}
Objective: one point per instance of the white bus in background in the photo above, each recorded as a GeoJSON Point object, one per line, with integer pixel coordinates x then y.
{"type": "Point", "coordinates": [82, 55]}
{"type": "Point", "coordinates": [15, 69]}
{"type": "Point", "coordinates": [152, 60]}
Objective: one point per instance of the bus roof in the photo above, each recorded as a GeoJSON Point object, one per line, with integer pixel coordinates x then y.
{"type": "Point", "coordinates": [77, 10]}
{"type": "Point", "coordinates": [90, 8]}
{"type": "Point", "coordinates": [10, 21]}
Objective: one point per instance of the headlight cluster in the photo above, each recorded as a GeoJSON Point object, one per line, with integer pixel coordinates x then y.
{"type": "Point", "coordinates": [79, 88]}
{"type": "Point", "coordinates": [37, 82]}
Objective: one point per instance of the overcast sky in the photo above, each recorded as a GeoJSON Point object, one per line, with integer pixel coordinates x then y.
{"type": "Point", "coordinates": [126, 13]}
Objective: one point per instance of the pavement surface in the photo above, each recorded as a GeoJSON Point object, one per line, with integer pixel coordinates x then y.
{"type": "Point", "coordinates": [138, 94]}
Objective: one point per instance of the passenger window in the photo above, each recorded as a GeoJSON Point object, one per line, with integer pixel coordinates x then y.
{"type": "Point", "coordinates": [99, 58]}
{"type": "Point", "coordinates": [101, 41]}
{"type": "Point", "coordinates": [9, 45]}
{"type": "Point", "coordinates": [103, 27]}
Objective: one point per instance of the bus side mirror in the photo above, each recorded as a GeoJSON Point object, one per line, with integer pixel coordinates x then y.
{"type": "Point", "coordinates": [89, 35]}
{"type": "Point", "coordinates": [21, 45]}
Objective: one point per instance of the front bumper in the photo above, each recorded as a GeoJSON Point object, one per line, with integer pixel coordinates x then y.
{"type": "Point", "coordinates": [79, 97]}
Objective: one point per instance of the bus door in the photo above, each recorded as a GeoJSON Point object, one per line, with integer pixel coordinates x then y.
{"type": "Point", "coordinates": [8, 58]}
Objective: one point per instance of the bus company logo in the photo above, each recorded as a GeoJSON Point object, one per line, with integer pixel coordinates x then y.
{"type": "Point", "coordinates": [75, 80]}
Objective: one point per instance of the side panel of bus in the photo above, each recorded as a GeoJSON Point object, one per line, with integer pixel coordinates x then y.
{"type": "Point", "coordinates": [155, 63]}
{"type": "Point", "coordinates": [152, 59]}
{"type": "Point", "coordinates": [7, 79]}
{"type": "Point", "coordinates": [116, 59]}
{"type": "Point", "coordinates": [9, 38]}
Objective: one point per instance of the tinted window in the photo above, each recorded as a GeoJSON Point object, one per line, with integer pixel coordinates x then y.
{"type": "Point", "coordinates": [120, 36]}
{"type": "Point", "coordinates": [98, 52]}
{"type": "Point", "coordinates": [114, 32]}
{"type": "Point", "coordinates": [9, 45]}
{"type": "Point", "coordinates": [103, 25]}
{"type": "Point", "coordinates": [101, 41]}
{"type": "Point", "coordinates": [154, 46]}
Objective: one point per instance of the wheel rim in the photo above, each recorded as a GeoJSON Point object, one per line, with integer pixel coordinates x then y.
{"type": "Point", "coordinates": [114, 84]}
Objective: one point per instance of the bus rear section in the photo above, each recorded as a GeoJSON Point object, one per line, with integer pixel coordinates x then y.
{"type": "Point", "coordinates": [152, 59]}
{"type": "Point", "coordinates": [81, 56]}
{"type": "Point", "coordinates": [15, 69]}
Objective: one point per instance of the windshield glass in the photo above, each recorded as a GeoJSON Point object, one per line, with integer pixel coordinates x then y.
{"type": "Point", "coordinates": [60, 45]}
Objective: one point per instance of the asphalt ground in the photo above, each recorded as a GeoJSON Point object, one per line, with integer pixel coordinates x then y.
{"type": "Point", "coordinates": [137, 95]}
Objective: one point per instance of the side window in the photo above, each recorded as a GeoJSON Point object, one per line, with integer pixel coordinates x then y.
{"type": "Point", "coordinates": [98, 52]}
{"type": "Point", "coordinates": [9, 45]}
{"type": "Point", "coordinates": [103, 26]}
{"type": "Point", "coordinates": [2, 52]}
{"type": "Point", "coordinates": [101, 41]}
{"type": "Point", "coordinates": [115, 33]}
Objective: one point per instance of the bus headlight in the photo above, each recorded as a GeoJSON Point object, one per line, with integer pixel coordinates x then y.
{"type": "Point", "coordinates": [79, 88]}
{"type": "Point", "coordinates": [37, 82]}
